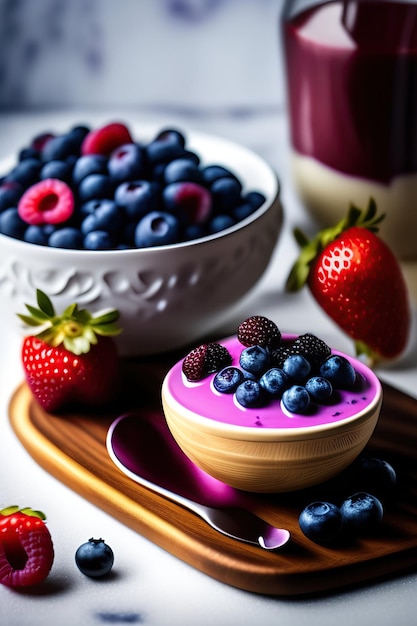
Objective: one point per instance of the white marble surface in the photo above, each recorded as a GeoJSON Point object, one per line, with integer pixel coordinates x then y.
{"type": "Point", "coordinates": [148, 585]}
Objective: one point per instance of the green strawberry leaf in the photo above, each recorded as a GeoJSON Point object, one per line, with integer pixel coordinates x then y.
{"type": "Point", "coordinates": [44, 303]}
{"type": "Point", "coordinates": [10, 510]}
{"type": "Point", "coordinates": [76, 329]}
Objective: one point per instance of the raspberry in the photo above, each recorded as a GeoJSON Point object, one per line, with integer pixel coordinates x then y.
{"type": "Point", "coordinates": [259, 331]}
{"type": "Point", "coordinates": [50, 201]}
{"type": "Point", "coordinates": [106, 139]}
{"type": "Point", "coordinates": [204, 360]}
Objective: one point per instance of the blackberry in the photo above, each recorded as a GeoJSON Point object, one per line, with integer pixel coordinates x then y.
{"type": "Point", "coordinates": [259, 331]}
{"type": "Point", "coordinates": [281, 353]}
{"type": "Point", "coordinates": [204, 360]}
{"type": "Point", "coordinates": [315, 350]}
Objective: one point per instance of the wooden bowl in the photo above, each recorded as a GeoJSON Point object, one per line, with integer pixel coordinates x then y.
{"type": "Point", "coordinates": [301, 452]}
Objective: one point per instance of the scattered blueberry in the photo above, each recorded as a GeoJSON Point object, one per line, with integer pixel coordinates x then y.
{"type": "Point", "coordinates": [374, 475]}
{"type": "Point", "coordinates": [361, 512]}
{"type": "Point", "coordinates": [94, 558]}
{"type": "Point", "coordinates": [321, 521]}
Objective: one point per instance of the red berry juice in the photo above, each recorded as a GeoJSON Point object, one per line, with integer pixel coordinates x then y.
{"type": "Point", "coordinates": [352, 86]}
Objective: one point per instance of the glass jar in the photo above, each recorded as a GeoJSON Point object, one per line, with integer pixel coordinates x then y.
{"type": "Point", "coordinates": [351, 72]}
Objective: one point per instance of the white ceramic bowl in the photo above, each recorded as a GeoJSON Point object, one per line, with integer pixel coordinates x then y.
{"type": "Point", "coordinates": [260, 458]}
{"type": "Point", "coordinates": [167, 296]}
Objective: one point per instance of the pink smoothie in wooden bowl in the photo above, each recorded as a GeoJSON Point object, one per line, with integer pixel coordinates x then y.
{"type": "Point", "coordinates": [269, 448]}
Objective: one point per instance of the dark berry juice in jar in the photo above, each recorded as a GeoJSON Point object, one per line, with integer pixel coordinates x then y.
{"type": "Point", "coordinates": [351, 71]}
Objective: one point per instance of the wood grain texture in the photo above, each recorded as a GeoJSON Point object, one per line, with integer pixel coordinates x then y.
{"type": "Point", "coordinates": [72, 447]}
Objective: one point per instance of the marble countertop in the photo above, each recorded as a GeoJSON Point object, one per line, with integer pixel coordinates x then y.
{"type": "Point", "coordinates": [148, 585]}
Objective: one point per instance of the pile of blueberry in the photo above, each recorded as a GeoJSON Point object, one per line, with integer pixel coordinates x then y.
{"type": "Point", "coordinates": [358, 514]}
{"type": "Point", "coordinates": [100, 189]}
{"type": "Point", "coordinates": [264, 375]}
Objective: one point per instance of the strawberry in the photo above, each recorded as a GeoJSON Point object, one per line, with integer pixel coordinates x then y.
{"type": "Point", "coordinates": [26, 549]}
{"type": "Point", "coordinates": [204, 360]}
{"type": "Point", "coordinates": [73, 358]}
{"type": "Point", "coordinates": [357, 280]}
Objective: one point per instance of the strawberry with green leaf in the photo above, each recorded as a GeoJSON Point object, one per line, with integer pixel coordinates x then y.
{"type": "Point", "coordinates": [26, 548]}
{"type": "Point", "coordinates": [357, 280]}
{"type": "Point", "coordinates": [73, 357]}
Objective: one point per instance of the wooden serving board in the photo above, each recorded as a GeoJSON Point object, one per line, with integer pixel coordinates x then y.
{"type": "Point", "coordinates": [72, 447]}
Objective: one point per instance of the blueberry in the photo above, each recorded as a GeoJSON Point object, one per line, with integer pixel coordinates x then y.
{"type": "Point", "coordinates": [28, 153]}
{"type": "Point", "coordinates": [38, 234]}
{"type": "Point", "coordinates": [296, 399]}
{"type": "Point", "coordinates": [321, 522]}
{"type": "Point", "coordinates": [210, 173]}
{"type": "Point", "coordinates": [60, 147]}
{"type": "Point", "coordinates": [94, 558]}
{"type": "Point", "coordinates": [242, 211]}
{"type": "Point", "coordinates": [156, 229]}
{"type": "Point", "coordinates": [254, 359]}
{"type": "Point", "coordinates": [226, 193]}
{"type": "Point", "coordinates": [88, 164]}
{"type": "Point", "coordinates": [220, 222]}
{"type": "Point", "coordinates": [127, 162]}
{"type": "Point", "coordinates": [193, 231]}
{"type": "Point", "coordinates": [319, 388]}
{"type": "Point", "coordinates": [228, 379]}
{"type": "Point", "coordinates": [255, 199]}
{"type": "Point", "coordinates": [104, 215]}
{"type": "Point", "coordinates": [297, 367]}
{"type": "Point", "coordinates": [167, 145]}
{"type": "Point", "coordinates": [339, 371]}
{"type": "Point", "coordinates": [361, 512]}
{"type": "Point", "coordinates": [57, 169]}
{"type": "Point", "coordinates": [181, 170]}
{"type": "Point", "coordinates": [191, 202]}
{"type": "Point", "coordinates": [26, 172]}
{"type": "Point", "coordinates": [374, 475]}
{"type": "Point", "coordinates": [249, 394]}
{"type": "Point", "coordinates": [10, 193]}
{"type": "Point", "coordinates": [98, 240]}
{"type": "Point", "coordinates": [274, 381]}
{"type": "Point", "coordinates": [137, 197]}
{"type": "Point", "coordinates": [66, 237]}
{"type": "Point", "coordinates": [11, 223]}
{"type": "Point", "coordinates": [95, 186]}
